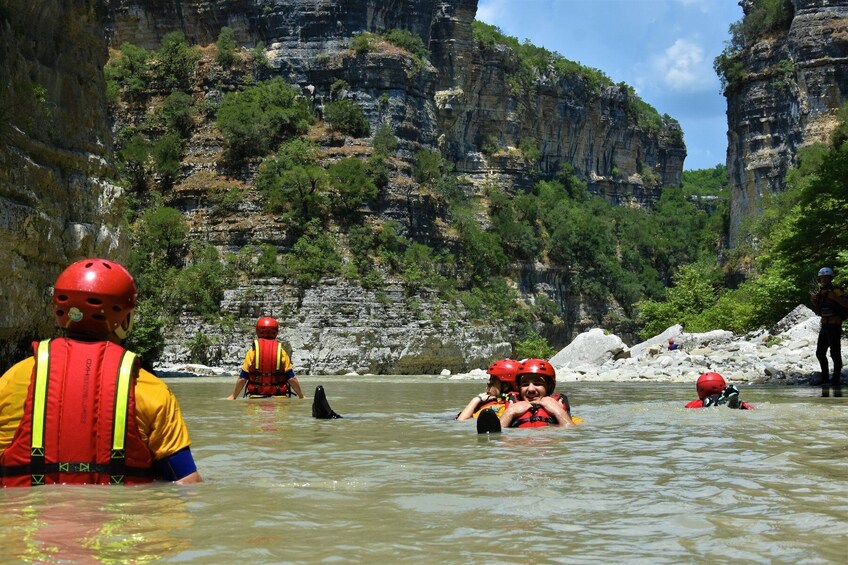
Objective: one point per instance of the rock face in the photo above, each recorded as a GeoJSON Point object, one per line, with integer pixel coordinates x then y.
{"type": "Point", "coordinates": [55, 144]}
{"type": "Point", "coordinates": [55, 202]}
{"type": "Point", "coordinates": [338, 328]}
{"type": "Point", "coordinates": [794, 83]}
{"type": "Point", "coordinates": [458, 102]}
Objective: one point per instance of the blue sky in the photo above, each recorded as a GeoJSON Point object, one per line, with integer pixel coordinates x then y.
{"type": "Point", "coordinates": [663, 48]}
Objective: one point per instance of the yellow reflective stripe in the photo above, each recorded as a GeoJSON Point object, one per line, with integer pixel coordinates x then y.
{"type": "Point", "coordinates": [39, 400]}
{"type": "Point", "coordinates": [279, 355]}
{"type": "Point", "coordinates": [122, 400]}
{"type": "Point", "coordinates": [256, 349]}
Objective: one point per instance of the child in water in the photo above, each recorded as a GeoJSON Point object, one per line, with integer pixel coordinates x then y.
{"type": "Point", "coordinates": [501, 383]}
{"type": "Point", "coordinates": [713, 391]}
{"type": "Point", "coordinates": [537, 405]}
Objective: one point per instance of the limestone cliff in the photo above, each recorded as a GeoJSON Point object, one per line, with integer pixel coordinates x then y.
{"type": "Point", "coordinates": [458, 102]}
{"type": "Point", "coordinates": [793, 83]}
{"type": "Point", "coordinates": [54, 160]}
{"type": "Point", "coordinates": [56, 203]}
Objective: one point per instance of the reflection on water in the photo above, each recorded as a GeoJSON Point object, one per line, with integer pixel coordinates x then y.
{"type": "Point", "coordinates": [398, 480]}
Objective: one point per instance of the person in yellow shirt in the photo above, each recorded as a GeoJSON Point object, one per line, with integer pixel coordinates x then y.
{"type": "Point", "coordinates": [267, 369]}
{"type": "Point", "coordinates": [81, 410]}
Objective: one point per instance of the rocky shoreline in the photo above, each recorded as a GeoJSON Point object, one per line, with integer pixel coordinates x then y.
{"type": "Point", "coordinates": [784, 355]}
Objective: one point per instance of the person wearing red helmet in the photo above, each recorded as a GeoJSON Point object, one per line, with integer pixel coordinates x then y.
{"type": "Point", "coordinates": [501, 383]}
{"type": "Point", "coordinates": [81, 410]}
{"type": "Point", "coordinates": [267, 369]}
{"type": "Point", "coordinates": [714, 391]}
{"type": "Point", "coordinates": [536, 404]}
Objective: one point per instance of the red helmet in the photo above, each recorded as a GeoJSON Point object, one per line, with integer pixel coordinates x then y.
{"type": "Point", "coordinates": [505, 370]}
{"type": "Point", "coordinates": [95, 296]}
{"type": "Point", "coordinates": [537, 367]}
{"type": "Point", "coordinates": [709, 384]}
{"type": "Point", "coordinates": [267, 327]}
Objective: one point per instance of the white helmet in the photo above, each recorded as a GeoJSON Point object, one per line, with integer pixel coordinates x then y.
{"type": "Point", "coordinates": [825, 272]}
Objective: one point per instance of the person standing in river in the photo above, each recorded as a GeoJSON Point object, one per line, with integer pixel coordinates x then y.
{"type": "Point", "coordinates": [81, 410]}
{"type": "Point", "coordinates": [267, 369]}
{"type": "Point", "coordinates": [831, 303]}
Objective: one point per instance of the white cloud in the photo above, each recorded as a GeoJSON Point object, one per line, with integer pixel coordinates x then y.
{"type": "Point", "coordinates": [493, 11]}
{"type": "Point", "coordinates": [702, 4]}
{"type": "Point", "coordinates": [683, 67]}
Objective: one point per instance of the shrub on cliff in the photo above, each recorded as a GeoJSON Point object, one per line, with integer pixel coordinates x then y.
{"type": "Point", "coordinates": [346, 117]}
{"type": "Point", "coordinates": [199, 286]}
{"type": "Point", "coordinates": [313, 256]}
{"type": "Point", "coordinates": [766, 17]}
{"type": "Point", "coordinates": [292, 181]}
{"type": "Point", "coordinates": [176, 60]}
{"type": "Point", "coordinates": [226, 47]}
{"type": "Point", "coordinates": [351, 187]}
{"type": "Point", "coordinates": [257, 119]}
{"type": "Point", "coordinates": [128, 71]}
{"type": "Point", "coordinates": [385, 141]}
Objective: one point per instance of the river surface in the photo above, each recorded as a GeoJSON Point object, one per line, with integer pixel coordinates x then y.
{"type": "Point", "coordinates": [397, 480]}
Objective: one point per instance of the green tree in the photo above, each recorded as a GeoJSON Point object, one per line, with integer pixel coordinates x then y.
{"type": "Point", "coordinates": [345, 116]}
{"type": "Point", "coordinates": [226, 47]}
{"type": "Point", "coordinates": [178, 113]}
{"type": "Point", "coordinates": [385, 141]}
{"type": "Point", "coordinates": [158, 237]}
{"type": "Point", "coordinates": [350, 185]}
{"type": "Point", "coordinates": [428, 166]}
{"type": "Point", "coordinates": [176, 62]}
{"type": "Point", "coordinates": [313, 256]}
{"type": "Point", "coordinates": [534, 347]}
{"type": "Point", "coordinates": [199, 286]}
{"type": "Point", "coordinates": [292, 181]}
{"type": "Point", "coordinates": [258, 118]}
{"type": "Point", "coordinates": [130, 70]}
{"type": "Point", "coordinates": [167, 153]}
{"type": "Point", "coordinates": [133, 158]}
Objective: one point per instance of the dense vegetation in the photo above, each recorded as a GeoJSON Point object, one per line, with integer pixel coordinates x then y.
{"type": "Point", "coordinates": [331, 208]}
{"type": "Point", "coordinates": [799, 231]}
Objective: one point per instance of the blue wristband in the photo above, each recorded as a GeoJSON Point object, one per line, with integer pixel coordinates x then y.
{"type": "Point", "coordinates": [176, 466]}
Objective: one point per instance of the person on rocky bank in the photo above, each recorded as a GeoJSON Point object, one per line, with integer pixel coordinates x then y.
{"type": "Point", "coordinates": [81, 410]}
{"type": "Point", "coordinates": [714, 391]}
{"type": "Point", "coordinates": [831, 303]}
{"type": "Point", "coordinates": [267, 370]}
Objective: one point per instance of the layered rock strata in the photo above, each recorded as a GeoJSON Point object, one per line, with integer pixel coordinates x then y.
{"type": "Point", "coordinates": [56, 203]}
{"type": "Point", "coordinates": [793, 85]}
{"type": "Point", "coordinates": [340, 328]}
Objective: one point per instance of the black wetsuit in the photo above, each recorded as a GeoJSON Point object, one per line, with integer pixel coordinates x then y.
{"type": "Point", "coordinates": [830, 337]}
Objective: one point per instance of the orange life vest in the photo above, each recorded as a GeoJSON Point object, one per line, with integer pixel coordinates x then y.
{"type": "Point", "coordinates": [78, 425]}
{"type": "Point", "coordinates": [267, 376]}
{"type": "Point", "coordinates": [538, 417]}
{"type": "Point", "coordinates": [499, 404]}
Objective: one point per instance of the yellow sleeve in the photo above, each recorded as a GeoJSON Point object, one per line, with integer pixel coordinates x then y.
{"type": "Point", "coordinates": [248, 360]}
{"type": "Point", "coordinates": [14, 385]}
{"type": "Point", "coordinates": [287, 366]}
{"type": "Point", "coordinates": [159, 418]}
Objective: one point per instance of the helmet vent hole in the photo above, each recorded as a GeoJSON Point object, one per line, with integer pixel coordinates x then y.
{"type": "Point", "coordinates": [116, 308]}
{"type": "Point", "coordinates": [62, 298]}
{"type": "Point", "coordinates": [94, 301]}
{"type": "Point", "coordinates": [99, 317]}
